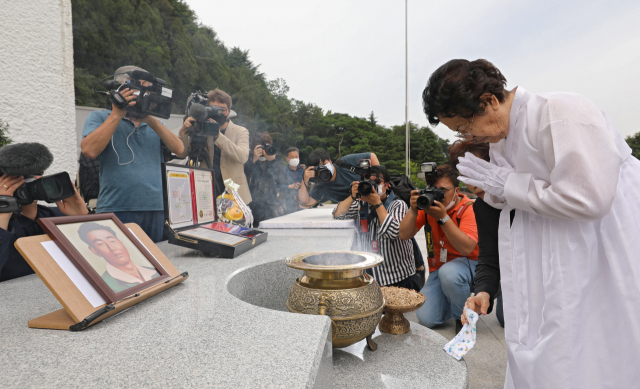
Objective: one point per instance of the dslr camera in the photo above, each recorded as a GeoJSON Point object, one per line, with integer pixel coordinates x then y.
{"type": "Point", "coordinates": [50, 188]}
{"type": "Point", "coordinates": [427, 196]}
{"type": "Point", "coordinates": [153, 96]}
{"type": "Point", "coordinates": [366, 185]}
{"type": "Point", "coordinates": [323, 174]}
{"type": "Point", "coordinates": [269, 149]}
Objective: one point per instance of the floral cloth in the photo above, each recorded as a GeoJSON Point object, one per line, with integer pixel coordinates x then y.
{"type": "Point", "coordinates": [466, 339]}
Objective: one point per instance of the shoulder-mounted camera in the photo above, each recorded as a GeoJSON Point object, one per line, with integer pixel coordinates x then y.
{"type": "Point", "coordinates": [153, 97]}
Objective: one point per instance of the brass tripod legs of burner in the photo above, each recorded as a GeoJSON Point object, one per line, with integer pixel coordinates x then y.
{"type": "Point", "coordinates": [394, 323]}
{"type": "Point", "coordinates": [373, 346]}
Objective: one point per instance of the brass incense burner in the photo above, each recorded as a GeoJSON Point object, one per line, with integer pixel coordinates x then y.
{"type": "Point", "coordinates": [335, 284]}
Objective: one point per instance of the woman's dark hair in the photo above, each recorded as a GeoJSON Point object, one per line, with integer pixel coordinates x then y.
{"type": "Point", "coordinates": [459, 147]}
{"type": "Point", "coordinates": [449, 172]}
{"type": "Point", "coordinates": [259, 138]}
{"type": "Point", "coordinates": [317, 157]}
{"type": "Point", "coordinates": [454, 89]}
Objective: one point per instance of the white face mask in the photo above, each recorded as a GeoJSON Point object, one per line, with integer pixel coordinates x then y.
{"type": "Point", "coordinates": [381, 190]}
{"type": "Point", "coordinates": [331, 168]}
{"type": "Point", "coordinates": [294, 162]}
{"type": "Point", "coordinates": [453, 201]}
{"type": "Point", "coordinates": [262, 158]}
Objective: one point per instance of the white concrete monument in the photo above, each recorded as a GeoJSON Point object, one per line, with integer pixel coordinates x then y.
{"type": "Point", "coordinates": [36, 77]}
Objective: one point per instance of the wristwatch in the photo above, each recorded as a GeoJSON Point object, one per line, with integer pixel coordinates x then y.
{"type": "Point", "coordinates": [376, 206]}
{"type": "Point", "coordinates": [444, 220]}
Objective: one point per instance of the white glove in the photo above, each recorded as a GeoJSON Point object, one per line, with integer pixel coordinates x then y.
{"type": "Point", "coordinates": [487, 176]}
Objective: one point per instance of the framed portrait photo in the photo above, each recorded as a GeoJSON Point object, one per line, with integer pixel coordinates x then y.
{"type": "Point", "coordinates": [106, 252]}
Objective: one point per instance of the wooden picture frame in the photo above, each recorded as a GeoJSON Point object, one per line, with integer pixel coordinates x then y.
{"type": "Point", "coordinates": [51, 227]}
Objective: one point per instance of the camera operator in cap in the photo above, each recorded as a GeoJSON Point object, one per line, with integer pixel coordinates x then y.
{"type": "Point", "coordinates": [385, 214]}
{"type": "Point", "coordinates": [342, 176]}
{"type": "Point", "coordinates": [130, 154]}
{"type": "Point", "coordinates": [455, 245]}
{"type": "Point", "coordinates": [17, 162]}
{"type": "Point", "coordinates": [228, 152]}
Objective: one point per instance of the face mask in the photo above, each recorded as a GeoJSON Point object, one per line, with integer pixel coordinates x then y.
{"type": "Point", "coordinates": [331, 168]}
{"type": "Point", "coordinates": [381, 190]}
{"type": "Point", "coordinates": [262, 158]}
{"type": "Point", "coordinates": [294, 162]}
{"type": "Point", "coordinates": [453, 201]}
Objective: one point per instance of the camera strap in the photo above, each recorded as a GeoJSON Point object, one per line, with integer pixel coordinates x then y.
{"type": "Point", "coordinates": [356, 169]}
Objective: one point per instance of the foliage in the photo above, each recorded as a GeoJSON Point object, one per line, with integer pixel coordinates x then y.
{"type": "Point", "coordinates": [4, 137]}
{"type": "Point", "coordinates": [634, 142]}
{"type": "Point", "coordinates": [163, 37]}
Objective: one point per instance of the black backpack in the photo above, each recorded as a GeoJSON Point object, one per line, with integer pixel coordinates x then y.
{"type": "Point", "coordinates": [402, 186]}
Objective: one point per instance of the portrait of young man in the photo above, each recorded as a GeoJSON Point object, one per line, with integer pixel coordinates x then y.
{"type": "Point", "coordinates": [121, 272]}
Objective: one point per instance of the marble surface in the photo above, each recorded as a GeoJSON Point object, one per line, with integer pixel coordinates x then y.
{"type": "Point", "coordinates": [412, 360]}
{"type": "Point", "coordinates": [224, 327]}
{"type": "Point", "coordinates": [320, 217]}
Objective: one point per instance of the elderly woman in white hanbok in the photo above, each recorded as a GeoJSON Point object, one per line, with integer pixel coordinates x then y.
{"type": "Point", "coordinates": [569, 234]}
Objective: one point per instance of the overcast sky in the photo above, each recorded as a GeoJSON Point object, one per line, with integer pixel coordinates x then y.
{"type": "Point", "coordinates": [348, 56]}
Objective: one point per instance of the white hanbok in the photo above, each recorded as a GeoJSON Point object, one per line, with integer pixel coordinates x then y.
{"type": "Point", "coordinates": [570, 262]}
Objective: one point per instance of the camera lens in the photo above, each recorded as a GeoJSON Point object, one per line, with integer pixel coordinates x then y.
{"type": "Point", "coordinates": [425, 200]}
{"type": "Point", "coordinates": [52, 187]}
{"type": "Point", "coordinates": [365, 188]}
{"type": "Point", "coordinates": [325, 175]}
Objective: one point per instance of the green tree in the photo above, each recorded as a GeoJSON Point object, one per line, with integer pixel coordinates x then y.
{"type": "Point", "coordinates": [634, 142]}
{"type": "Point", "coordinates": [4, 133]}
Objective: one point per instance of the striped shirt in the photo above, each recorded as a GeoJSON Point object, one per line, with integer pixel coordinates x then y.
{"type": "Point", "coordinates": [399, 262]}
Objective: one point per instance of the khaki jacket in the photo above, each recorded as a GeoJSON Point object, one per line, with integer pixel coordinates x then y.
{"type": "Point", "coordinates": [234, 144]}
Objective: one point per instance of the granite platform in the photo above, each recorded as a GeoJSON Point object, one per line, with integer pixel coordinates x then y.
{"type": "Point", "coordinates": [225, 327]}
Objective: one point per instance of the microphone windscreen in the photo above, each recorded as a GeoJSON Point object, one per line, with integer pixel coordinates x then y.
{"type": "Point", "coordinates": [198, 112]}
{"type": "Point", "coordinates": [25, 159]}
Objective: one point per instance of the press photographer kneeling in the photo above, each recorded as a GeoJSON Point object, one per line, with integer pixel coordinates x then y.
{"type": "Point", "coordinates": [381, 232]}
{"type": "Point", "coordinates": [21, 186]}
{"type": "Point", "coordinates": [454, 255]}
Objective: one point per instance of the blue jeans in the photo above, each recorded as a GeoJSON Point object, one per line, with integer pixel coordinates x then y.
{"type": "Point", "coordinates": [151, 222]}
{"type": "Point", "coordinates": [446, 290]}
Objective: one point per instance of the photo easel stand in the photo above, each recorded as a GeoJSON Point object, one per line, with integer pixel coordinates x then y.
{"type": "Point", "coordinates": [75, 306]}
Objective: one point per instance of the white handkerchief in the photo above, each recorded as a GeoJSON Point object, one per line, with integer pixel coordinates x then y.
{"type": "Point", "coordinates": [466, 339]}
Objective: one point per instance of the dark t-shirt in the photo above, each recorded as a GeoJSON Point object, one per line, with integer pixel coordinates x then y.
{"type": "Point", "coordinates": [217, 174]}
{"type": "Point", "coordinates": [338, 189]}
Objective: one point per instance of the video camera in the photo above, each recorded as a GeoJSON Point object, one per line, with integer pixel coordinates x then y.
{"type": "Point", "coordinates": [366, 186]}
{"type": "Point", "coordinates": [198, 108]}
{"type": "Point", "coordinates": [153, 96]}
{"type": "Point", "coordinates": [50, 188]}
{"type": "Point", "coordinates": [29, 160]}
{"type": "Point", "coordinates": [428, 172]}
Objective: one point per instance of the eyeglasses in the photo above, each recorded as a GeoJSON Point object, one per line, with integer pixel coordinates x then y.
{"type": "Point", "coordinates": [465, 134]}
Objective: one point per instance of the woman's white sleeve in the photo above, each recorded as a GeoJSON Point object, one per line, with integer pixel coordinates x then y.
{"type": "Point", "coordinates": [585, 164]}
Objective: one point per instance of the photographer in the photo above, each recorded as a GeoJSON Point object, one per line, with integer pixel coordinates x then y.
{"type": "Point", "coordinates": [385, 214]}
{"type": "Point", "coordinates": [130, 154]}
{"type": "Point", "coordinates": [293, 174]}
{"type": "Point", "coordinates": [455, 238]}
{"type": "Point", "coordinates": [226, 153]}
{"type": "Point", "coordinates": [12, 227]}
{"type": "Point", "coordinates": [264, 174]}
{"type": "Point", "coordinates": [338, 185]}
